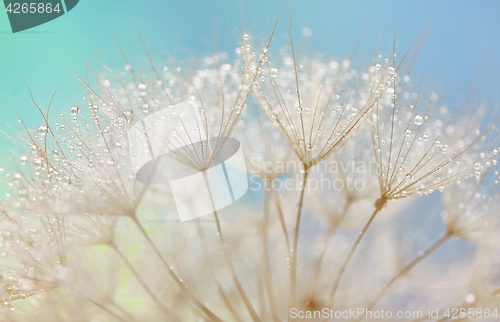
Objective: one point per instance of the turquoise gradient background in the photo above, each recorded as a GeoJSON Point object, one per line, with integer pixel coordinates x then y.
{"type": "Point", "coordinates": [461, 34]}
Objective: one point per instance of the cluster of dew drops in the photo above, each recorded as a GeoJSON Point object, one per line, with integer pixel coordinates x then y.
{"type": "Point", "coordinates": [38, 161]}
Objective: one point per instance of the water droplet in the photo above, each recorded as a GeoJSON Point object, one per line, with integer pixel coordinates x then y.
{"type": "Point", "coordinates": [418, 120]}
{"type": "Point", "coordinates": [22, 193]}
{"type": "Point", "coordinates": [274, 72]}
{"type": "Point", "coordinates": [17, 176]}
{"type": "Point", "coordinates": [23, 160]}
{"type": "Point", "coordinates": [353, 111]}
{"type": "Point", "coordinates": [145, 108]}
{"type": "Point", "coordinates": [120, 121]}
{"type": "Point", "coordinates": [142, 88]}
{"type": "Point", "coordinates": [307, 32]}
{"type": "Point", "coordinates": [74, 110]}
{"type": "Point", "coordinates": [42, 130]}
{"type": "Point", "coordinates": [408, 133]}
{"type": "Point", "coordinates": [470, 298]}
{"type": "Point", "coordinates": [477, 166]}
{"type": "Point", "coordinates": [37, 163]}
{"type": "Point", "coordinates": [298, 109]}
{"type": "Point", "coordinates": [391, 70]}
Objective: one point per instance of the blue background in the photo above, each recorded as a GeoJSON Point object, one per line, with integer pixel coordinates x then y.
{"type": "Point", "coordinates": [462, 35]}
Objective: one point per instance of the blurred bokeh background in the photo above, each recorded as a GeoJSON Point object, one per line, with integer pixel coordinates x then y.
{"type": "Point", "coordinates": [461, 48]}
{"type": "Point", "coordinates": [462, 35]}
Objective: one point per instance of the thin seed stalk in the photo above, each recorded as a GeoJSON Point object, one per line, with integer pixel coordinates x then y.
{"type": "Point", "coordinates": [211, 269]}
{"type": "Point", "coordinates": [265, 263]}
{"type": "Point", "coordinates": [107, 311]}
{"type": "Point", "coordinates": [293, 261]}
{"type": "Point", "coordinates": [410, 265]}
{"type": "Point", "coordinates": [317, 267]}
{"type": "Point", "coordinates": [172, 274]}
{"type": "Point", "coordinates": [132, 269]}
{"type": "Point", "coordinates": [112, 302]}
{"type": "Point", "coordinates": [348, 259]}
{"type": "Point", "coordinates": [281, 217]}
{"type": "Point", "coordinates": [227, 258]}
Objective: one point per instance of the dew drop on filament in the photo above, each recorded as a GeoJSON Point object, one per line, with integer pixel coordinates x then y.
{"type": "Point", "coordinates": [23, 160]}
{"type": "Point", "coordinates": [274, 72]}
{"type": "Point", "coordinates": [418, 120]}
{"type": "Point", "coordinates": [42, 130]}
{"type": "Point", "coordinates": [74, 110]}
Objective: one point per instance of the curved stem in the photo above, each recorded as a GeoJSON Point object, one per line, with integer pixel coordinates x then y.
{"type": "Point", "coordinates": [227, 258]}
{"type": "Point", "coordinates": [279, 208]}
{"type": "Point", "coordinates": [129, 265]}
{"type": "Point", "coordinates": [266, 265]}
{"type": "Point", "coordinates": [408, 267]}
{"type": "Point", "coordinates": [112, 302]}
{"type": "Point", "coordinates": [293, 262]}
{"type": "Point", "coordinates": [211, 269]}
{"type": "Point", "coordinates": [172, 274]}
{"type": "Point", "coordinates": [348, 259]}
{"type": "Point", "coordinates": [105, 310]}
{"type": "Point", "coordinates": [317, 266]}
